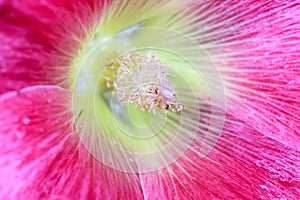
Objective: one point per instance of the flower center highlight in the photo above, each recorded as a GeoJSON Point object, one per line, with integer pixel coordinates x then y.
{"type": "Point", "coordinates": [143, 80]}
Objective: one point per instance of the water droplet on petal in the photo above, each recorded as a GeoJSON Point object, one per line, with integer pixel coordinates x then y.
{"type": "Point", "coordinates": [41, 130]}
{"type": "Point", "coordinates": [19, 135]}
{"type": "Point", "coordinates": [26, 121]}
{"type": "Point", "coordinates": [264, 187]}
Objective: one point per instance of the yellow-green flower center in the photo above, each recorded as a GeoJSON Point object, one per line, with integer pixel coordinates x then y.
{"type": "Point", "coordinates": [133, 64]}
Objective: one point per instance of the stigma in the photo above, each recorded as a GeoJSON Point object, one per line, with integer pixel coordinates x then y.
{"type": "Point", "coordinates": [143, 80]}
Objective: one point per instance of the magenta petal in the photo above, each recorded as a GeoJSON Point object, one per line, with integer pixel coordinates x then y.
{"type": "Point", "coordinates": [39, 40]}
{"type": "Point", "coordinates": [256, 47]}
{"type": "Point", "coordinates": [260, 67]}
{"type": "Point", "coordinates": [244, 165]}
{"type": "Point", "coordinates": [40, 158]}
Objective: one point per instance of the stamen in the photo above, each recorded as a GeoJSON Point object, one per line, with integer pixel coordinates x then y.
{"type": "Point", "coordinates": [143, 80]}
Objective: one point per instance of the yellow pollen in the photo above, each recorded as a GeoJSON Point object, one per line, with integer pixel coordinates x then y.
{"type": "Point", "coordinates": [143, 80]}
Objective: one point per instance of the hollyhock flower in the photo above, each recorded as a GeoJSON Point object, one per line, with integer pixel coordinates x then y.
{"type": "Point", "coordinates": [128, 99]}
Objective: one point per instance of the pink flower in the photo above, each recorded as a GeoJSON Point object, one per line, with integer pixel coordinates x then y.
{"type": "Point", "coordinates": [222, 83]}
